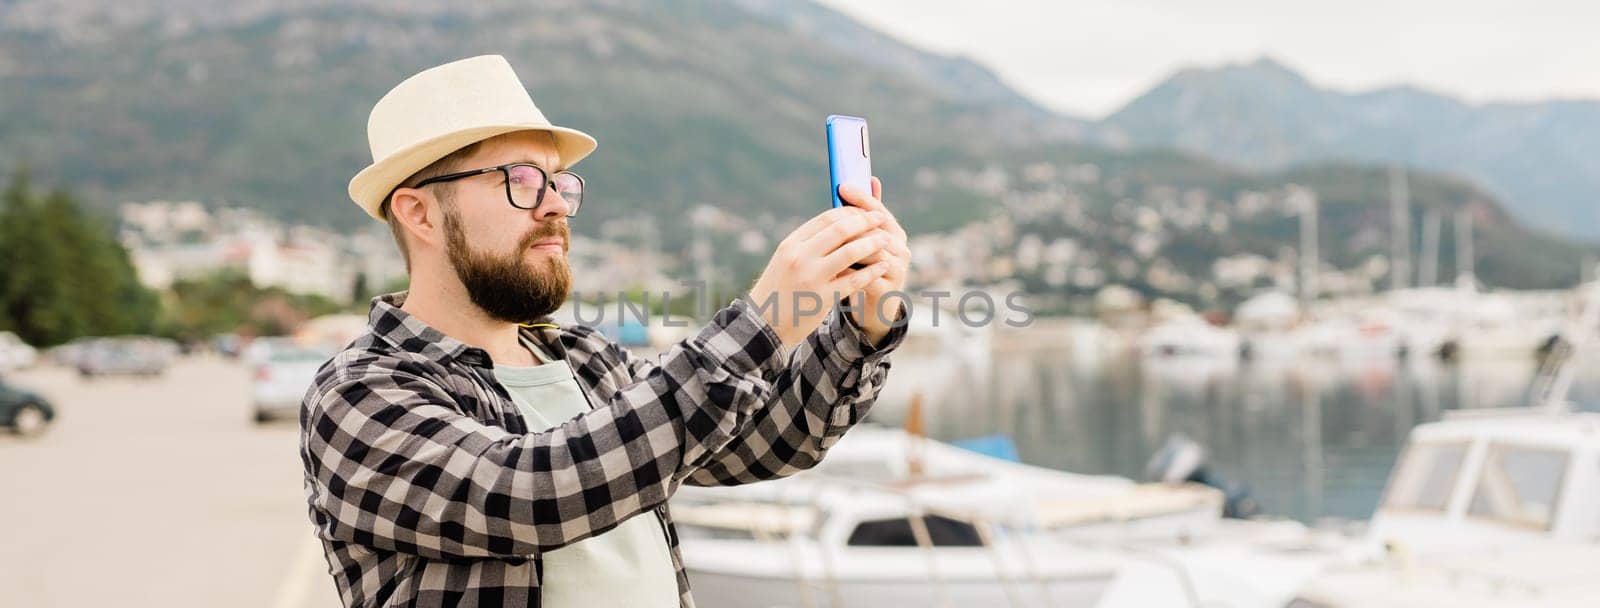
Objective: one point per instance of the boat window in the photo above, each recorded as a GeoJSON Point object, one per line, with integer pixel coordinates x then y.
{"type": "Point", "coordinates": [1519, 485]}
{"type": "Point", "coordinates": [896, 532]}
{"type": "Point", "coordinates": [1426, 476]}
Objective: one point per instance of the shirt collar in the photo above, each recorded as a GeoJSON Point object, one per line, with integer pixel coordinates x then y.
{"type": "Point", "coordinates": [405, 331]}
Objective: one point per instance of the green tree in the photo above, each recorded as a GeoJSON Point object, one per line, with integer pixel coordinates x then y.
{"type": "Point", "coordinates": [98, 278]}
{"type": "Point", "coordinates": [62, 273]}
{"type": "Point", "coordinates": [29, 301]}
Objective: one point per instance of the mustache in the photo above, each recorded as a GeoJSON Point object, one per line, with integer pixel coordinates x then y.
{"type": "Point", "coordinates": [547, 230]}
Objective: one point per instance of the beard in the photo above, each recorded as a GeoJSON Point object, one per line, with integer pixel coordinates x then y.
{"type": "Point", "coordinates": [506, 286]}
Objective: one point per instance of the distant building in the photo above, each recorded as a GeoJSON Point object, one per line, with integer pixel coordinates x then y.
{"type": "Point", "coordinates": [169, 242]}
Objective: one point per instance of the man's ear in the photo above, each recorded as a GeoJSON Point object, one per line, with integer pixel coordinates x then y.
{"type": "Point", "coordinates": [412, 207]}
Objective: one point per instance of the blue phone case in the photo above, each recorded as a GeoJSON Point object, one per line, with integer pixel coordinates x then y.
{"type": "Point", "coordinates": [848, 155]}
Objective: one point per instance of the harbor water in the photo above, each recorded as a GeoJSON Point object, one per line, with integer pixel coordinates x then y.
{"type": "Point", "coordinates": [1311, 438]}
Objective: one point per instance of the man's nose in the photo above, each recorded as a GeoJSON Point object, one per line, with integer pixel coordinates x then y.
{"type": "Point", "coordinates": [553, 205]}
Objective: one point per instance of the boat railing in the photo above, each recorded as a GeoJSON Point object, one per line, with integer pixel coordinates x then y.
{"type": "Point", "coordinates": [917, 511]}
{"type": "Point", "coordinates": [989, 529]}
{"type": "Point", "coordinates": [783, 524]}
{"type": "Point", "coordinates": [919, 531]}
{"type": "Point", "coordinates": [1556, 374]}
{"type": "Point", "coordinates": [828, 586]}
{"type": "Point", "coordinates": [987, 526]}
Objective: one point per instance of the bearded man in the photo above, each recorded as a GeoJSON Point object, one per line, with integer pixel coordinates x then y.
{"type": "Point", "coordinates": [467, 450]}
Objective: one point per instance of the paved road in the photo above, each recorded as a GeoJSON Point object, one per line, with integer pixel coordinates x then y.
{"type": "Point", "coordinates": [157, 492]}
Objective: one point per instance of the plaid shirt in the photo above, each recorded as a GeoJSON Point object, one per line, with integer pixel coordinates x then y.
{"type": "Point", "coordinates": [426, 488]}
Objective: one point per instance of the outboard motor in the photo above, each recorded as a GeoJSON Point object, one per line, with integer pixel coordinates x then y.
{"type": "Point", "coordinates": [1181, 459]}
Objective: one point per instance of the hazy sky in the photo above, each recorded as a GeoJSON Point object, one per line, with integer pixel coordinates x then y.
{"type": "Point", "coordinates": [1088, 58]}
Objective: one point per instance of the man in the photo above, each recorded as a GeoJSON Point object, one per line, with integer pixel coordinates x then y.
{"type": "Point", "coordinates": [468, 451]}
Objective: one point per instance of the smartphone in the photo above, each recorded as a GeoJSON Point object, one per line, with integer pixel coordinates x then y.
{"type": "Point", "coordinates": [848, 155]}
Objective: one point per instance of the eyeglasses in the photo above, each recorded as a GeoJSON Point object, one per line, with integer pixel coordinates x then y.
{"type": "Point", "coordinates": [525, 183]}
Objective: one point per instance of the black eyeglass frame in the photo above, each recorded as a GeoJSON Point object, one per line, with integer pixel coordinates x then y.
{"type": "Point", "coordinates": [549, 180]}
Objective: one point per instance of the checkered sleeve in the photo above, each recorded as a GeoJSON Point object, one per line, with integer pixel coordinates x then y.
{"type": "Point", "coordinates": [829, 383]}
{"type": "Point", "coordinates": [395, 464]}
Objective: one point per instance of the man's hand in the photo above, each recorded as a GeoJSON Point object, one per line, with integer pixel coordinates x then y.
{"type": "Point", "coordinates": [810, 270]}
{"type": "Point", "coordinates": [874, 314]}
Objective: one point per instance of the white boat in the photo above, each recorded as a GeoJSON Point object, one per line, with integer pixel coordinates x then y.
{"type": "Point", "coordinates": [1429, 317]}
{"type": "Point", "coordinates": [1492, 328]}
{"type": "Point", "coordinates": [1485, 508]}
{"type": "Point", "coordinates": [993, 533]}
{"type": "Point", "coordinates": [856, 546]}
{"type": "Point", "coordinates": [1490, 507]}
{"type": "Point", "coordinates": [863, 529]}
{"type": "Point", "coordinates": [1372, 333]}
{"type": "Point", "coordinates": [1189, 336]}
{"type": "Point", "coordinates": [1267, 323]}
{"type": "Point", "coordinates": [1465, 322]}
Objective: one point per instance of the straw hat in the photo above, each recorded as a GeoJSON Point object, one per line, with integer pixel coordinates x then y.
{"type": "Point", "coordinates": [444, 109]}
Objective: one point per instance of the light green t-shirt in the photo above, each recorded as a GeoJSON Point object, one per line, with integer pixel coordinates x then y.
{"type": "Point", "coordinates": [629, 565]}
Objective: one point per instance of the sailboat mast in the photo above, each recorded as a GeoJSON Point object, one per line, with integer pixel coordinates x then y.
{"type": "Point", "coordinates": [1306, 201]}
{"type": "Point", "coordinates": [1428, 269]}
{"type": "Point", "coordinates": [1464, 271]}
{"type": "Point", "coordinates": [1399, 228]}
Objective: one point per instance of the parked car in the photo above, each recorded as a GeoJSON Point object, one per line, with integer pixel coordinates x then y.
{"type": "Point", "coordinates": [283, 370]}
{"type": "Point", "coordinates": [137, 356]}
{"type": "Point", "coordinates": [68, 355]}
{"type": "Point", "coordinates": [23, 412]}
{"type": "Point", "coordinates": [14, 353]}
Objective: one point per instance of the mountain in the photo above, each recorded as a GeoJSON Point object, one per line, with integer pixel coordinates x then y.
{"type": "Point", "coordinates": [265, 103]}
{"type": "Point", "coordinates": [1012, 116]}
{"type": "Point", "coordinates": [1544, 157]}
{"type": "Point", "coordinates": [695, 103]}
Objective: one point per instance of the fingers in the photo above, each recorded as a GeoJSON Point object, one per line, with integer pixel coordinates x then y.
{"type": "Point", "coordinates": [854, 196]}
{"type": "Point", "coordinates": [856, 250]}
{"type": "Point", "coordinates": [893, 277]}
{"type": "Point", "coordinates": [822, 220]}
{"type": "Point", "coordinates": [859, 204]}
{"type": "Point", "coordinates": [846, 228]}
{"type": "Point", "coordinates": [871, 203]}
{"type": "Point", "coordinates": [877, 255]}
{"type": "Point", "coordinates": [894, 251]}
{"type": "Point", "coordinates": [899, 262]}
{"type": "Point", "coordinates": [871, 297]}
{"type": "Point", "coordinates": [851, 281]}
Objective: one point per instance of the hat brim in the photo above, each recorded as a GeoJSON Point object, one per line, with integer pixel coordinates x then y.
{"type": "Point", "coordinates": [373, 184]}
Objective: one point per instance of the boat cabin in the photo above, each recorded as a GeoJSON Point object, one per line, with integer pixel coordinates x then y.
{"type": "Point", "coordinates": [1495, 475]}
